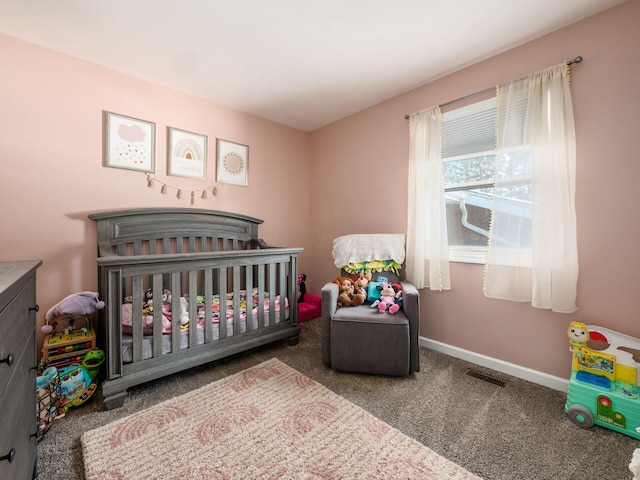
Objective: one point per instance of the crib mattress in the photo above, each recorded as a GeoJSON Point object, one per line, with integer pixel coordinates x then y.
{"type": "Point", "coordinates": [147, 340]}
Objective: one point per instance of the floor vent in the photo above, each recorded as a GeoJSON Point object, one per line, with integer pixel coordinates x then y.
{"type": "Point", "coordinates": [486, 378]}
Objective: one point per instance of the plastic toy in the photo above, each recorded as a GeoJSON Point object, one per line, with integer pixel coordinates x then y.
{"type": "Point", "coordinates": [603, 389]}
{"type": "Point", "coordinates": [72, 343]}
{"type": "Point", "coordinates": [76, 386]}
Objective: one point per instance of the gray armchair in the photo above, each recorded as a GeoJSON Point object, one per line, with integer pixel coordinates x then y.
{"type": "Point", "coordinates": [363, 340]}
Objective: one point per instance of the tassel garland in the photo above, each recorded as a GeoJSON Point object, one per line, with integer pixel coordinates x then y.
{"type": "Point", "coordinates": [151, 181]}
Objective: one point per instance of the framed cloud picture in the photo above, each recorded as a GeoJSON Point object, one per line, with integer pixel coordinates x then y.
{"type": "Point", "coordinates": [232, 162]}
{"type": "Point", "coordinates": [129, 143]}
{"type": "Point", "coordinates": [187, 154]}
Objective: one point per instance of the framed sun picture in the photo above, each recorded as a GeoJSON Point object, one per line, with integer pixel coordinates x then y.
{"type": "Point", "coordinates": [232, 162]}
{"type": "Point", "coordinates": [129, 143]}
{"type": "Point", "coordinates": [187, 154]}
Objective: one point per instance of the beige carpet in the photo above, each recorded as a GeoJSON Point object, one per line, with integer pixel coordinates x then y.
{"type": "Point", "coordinates": [266, 422]}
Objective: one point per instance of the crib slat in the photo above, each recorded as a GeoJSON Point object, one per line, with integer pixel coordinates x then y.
{"type": "Point", "coordinates": [236, 300]}
{"type": "Point", "coordinates": [208, 301]}
{"type": "Point", "coordinates": [261, 290]}
{"type": "Point", "coordinates": [272, 294]}
{"type": "Point", "coordinates": [282, 276]}
{"type": "Point", "coordinates": [248, 286]}
{"type": "Point", "coordinates": [292, 292]}
{"type": "Point", "coordinates": [192, 288]}
{"type": "Point", "coordinates": [136, 309]}
{"type": "Point", "coordinates": [175, 322]}
{"type": "Point", "coordinates": [157, 314]}
{"type": "Point", "coordinates": [222, 318]}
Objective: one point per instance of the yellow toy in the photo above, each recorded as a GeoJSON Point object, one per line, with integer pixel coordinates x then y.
{"type": "Point", "coordinates": [578, 334]}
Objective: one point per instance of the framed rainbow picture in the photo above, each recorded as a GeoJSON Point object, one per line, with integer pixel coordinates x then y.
{"type": "Point", "coordinates": [187, 154]}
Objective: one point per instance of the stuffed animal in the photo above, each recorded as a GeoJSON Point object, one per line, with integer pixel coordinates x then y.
{"type": "Point", "coordinates": [634, 466]}
{"type": "Point", "coordinates": [398, 288]}
{"type": "Point", "coordinates": [345, 291]}
{"type": "Point", "coordinates": [387, 300]}
{"type": "Point", "coordinates": [148, 295]}
{"type": "Point", "coordinates": [302, 278]}
{"type": "Point", "coordinates": [81, 303]}
{"type": "Point", "coordinates": [184, 307]}
{"type": "Point", "coordinates": [360, 284]}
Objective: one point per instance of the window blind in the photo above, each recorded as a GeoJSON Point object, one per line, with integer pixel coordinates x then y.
{"type": "Point", "coordinates": [469, 129]}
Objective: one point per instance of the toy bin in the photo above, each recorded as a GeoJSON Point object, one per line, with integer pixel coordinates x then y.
{"type": "Point", "coordinates": [48, 399]}
{"type": "Point", "coordinates": [603, 389]}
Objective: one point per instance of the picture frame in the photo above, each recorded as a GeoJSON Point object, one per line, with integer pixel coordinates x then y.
{"type": "Point", "coordinates": [186, 154]}
{"type": "Point", "coordinates": [232, 162]}
{"type": "Point", "coordinates": [129, 143]}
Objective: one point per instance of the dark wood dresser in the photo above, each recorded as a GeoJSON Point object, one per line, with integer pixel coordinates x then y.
{"type": "Point", "coordinates": [18, 423]}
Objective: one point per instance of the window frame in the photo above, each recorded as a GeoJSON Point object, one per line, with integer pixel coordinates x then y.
{"type": "Point", "coordinates": [474, 253]}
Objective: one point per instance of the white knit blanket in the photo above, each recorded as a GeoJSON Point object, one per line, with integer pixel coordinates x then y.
{"type": "Point", "coordinates": [368, 247]}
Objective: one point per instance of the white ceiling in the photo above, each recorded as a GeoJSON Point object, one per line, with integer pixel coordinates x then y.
{"type": "Point", "coordinates": [301, 63]}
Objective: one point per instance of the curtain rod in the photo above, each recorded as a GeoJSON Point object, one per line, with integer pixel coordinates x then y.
{"type": "Point", "coordinates": [578, 59]}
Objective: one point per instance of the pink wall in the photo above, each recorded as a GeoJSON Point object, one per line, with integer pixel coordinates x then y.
{"type": "Point", "coordinates": [360, 164]}
{"type": "Point", "coordinates": [52, 176]}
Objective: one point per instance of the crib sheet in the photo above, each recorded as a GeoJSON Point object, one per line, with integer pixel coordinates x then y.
{"type": "Point", "coordinates": [147, 340]}
{"type": "Point", "coordinates": [147, 316]}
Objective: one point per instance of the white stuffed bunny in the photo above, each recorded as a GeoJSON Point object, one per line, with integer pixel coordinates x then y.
{"type": "Point", "coordinates": [634, 466]}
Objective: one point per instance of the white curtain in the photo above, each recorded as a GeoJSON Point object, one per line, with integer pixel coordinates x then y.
{"type": "Point", "coordinates": [533, 256]}
{"type": "Point", "coordinates": [427, 263]}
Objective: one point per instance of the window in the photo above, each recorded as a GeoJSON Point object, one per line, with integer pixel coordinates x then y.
{"type": "Point", "coordinates": [470, 172]}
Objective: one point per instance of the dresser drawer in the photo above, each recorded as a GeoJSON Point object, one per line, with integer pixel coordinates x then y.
{"type": "Point", "coordinates": [17, 415]}
{"type": "Point", "coordinates": [16, 325]}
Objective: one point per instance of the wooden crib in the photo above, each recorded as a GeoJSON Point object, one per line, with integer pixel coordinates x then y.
{"type": "Point", "coordinates": [202, 273]}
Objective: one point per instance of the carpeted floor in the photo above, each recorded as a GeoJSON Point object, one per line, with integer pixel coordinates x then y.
{"type": "Point", "coordinates": [518, 431]}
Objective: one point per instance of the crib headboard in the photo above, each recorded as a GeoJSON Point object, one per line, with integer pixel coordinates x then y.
{"type": "Point", "coordinates": [149, 231]}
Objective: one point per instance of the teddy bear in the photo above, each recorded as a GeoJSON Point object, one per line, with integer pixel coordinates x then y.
{"type": "Point", "coordinates": [387, 300]}
{"type": "Point", "coordinates": [81, 303]}
{"type": "Point", "coordinates": [360, 283]}
{"type": "Point", "coordinates": [345, 291]}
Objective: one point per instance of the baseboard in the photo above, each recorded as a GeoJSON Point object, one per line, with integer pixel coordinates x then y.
{"type": "Point", "coordinates": [512, 369]}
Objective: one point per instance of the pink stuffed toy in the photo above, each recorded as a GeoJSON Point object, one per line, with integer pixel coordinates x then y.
{"type": "Point", "coordinates": [387, 300]}
{"type": "Point", "coordinates": [82, 303]}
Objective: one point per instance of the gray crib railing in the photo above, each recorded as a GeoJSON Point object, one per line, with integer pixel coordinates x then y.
{"type": "Point", "coordinates": [199, 256]}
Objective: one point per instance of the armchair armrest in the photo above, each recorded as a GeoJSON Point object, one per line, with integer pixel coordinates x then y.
{"type": "Point", "coordinates": [411, 307]}
{"type": "Point", "coordinates": [329, 305]}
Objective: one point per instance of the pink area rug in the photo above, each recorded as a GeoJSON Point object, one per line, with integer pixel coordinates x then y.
{"type": "Point", "coordinates": [266, 422]}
